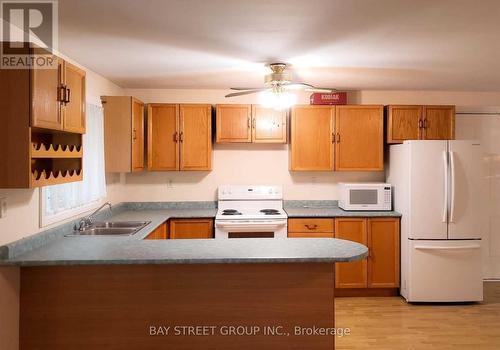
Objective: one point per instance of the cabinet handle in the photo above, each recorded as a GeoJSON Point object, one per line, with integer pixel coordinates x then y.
{"type": "Point", "coordinates": [248, 122]}
{"type": "Point", "coordinates": [420, 124]}
{"type": "Point", "coordinates": [311, 227]}
{"type": "Point", "coordinates": [176, 137]}
{"type": "Point", "coordinates": [134, 136]}
{"type": "Point", "coordinates": [68, 95]}
{"type": "Point", "coordinates": [425, 123]}
{"type": "Point", "coordinates": [333, 137]}
{"type": "Point", "coordinates": [254, 123]}
{"type": "Point", "coordinates": [181, 136]}
{"type": "Point", "coordinates": [338, 137]}
{"type": "Point", "coordinates": [62, 93]}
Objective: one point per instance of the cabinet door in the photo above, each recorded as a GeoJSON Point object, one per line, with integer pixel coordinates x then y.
{"type": "Point", "coordinates": [359, 138]}
{"type": "Point", "coordinates": [195, 137]}
{"type": "Point", "coordinates": [137, 135]}
{"type": "Point", "coordinates": [268, 125]}
{"type": "Point", "coordinates": [74, 107]}
{"type": "Point", "coordinates": [439, 122]}
{"type": "Point", "coordinates": [46, 97]}
{"type": "Point", "coordinates": [383, 261]}
{"type": "Point", "coordinates": [233, 123]}
{"type": "Point", "coordinates": [404, 123]}
{"type": "Point", "coordinates": [351, 274]}
{"type": "Point", "coordinates": [311, 141]}
{"type": "Point", "coordinates": [191, 228]}
{"type": "Point", "coordinates": [161, 232]}
{"type": "Point", "coordinates": [163, 137]}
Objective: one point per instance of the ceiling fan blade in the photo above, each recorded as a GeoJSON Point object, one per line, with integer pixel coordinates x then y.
{"type": "Point", "coordinates": [326, 91]}
{"type": "Point", "coordinates": [248, 92]}
{"type": "Point", "coordinates": [298, 86]}
{"type": "Point", "coordinates": [240, 89]}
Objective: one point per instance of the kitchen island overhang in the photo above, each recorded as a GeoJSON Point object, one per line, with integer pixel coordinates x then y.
{"type": "Point", "coordinates": [189, 294]}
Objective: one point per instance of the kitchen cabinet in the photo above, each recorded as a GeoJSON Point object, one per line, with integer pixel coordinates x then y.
{"type": "Point", "coordinates": [311, 138]}
{"type": "Point", "coordinates": [74, 99]}
{"type": "Point", "coordinates": [420, 123]}
{"type": "Point", "coordinates": [233, 123]}
{"type": "Point", "coordinates": [311, 228]}
{"type": "Point", "coordinates": [250, 123]}
{"type": "Point", "coordinates": [268, 125]}
{"type": "Point", "coordinates": [123, 134]}
{"type": "Point", "coordinates": [381, 269]}
{"type": "Point", "coordinates": [161, 232]}
{"type": "Point", "coordinates": [351, 274]}
{"type": "Point", "coordinates": [439, 122]}
{"type": "Point", "coordinates": [179, 137]}
{"type": "Point", "coordinates": [39, 145]}
{"type": "Point", "coordinates": [191, 228]}
{"type": "Point", "coordinates": [383, 259]}
{"type": "Point", "coordinates": [359, 138]}
{"type": "Point", "coordinates": [341, 138]}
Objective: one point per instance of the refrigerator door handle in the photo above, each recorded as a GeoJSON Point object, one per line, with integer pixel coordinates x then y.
{"type": "Point", "coordinates": [463, 247]}
{"type": "Point", "coordinates": [452, 186]}
{"type": "Point", "coordinates": [445, 167]}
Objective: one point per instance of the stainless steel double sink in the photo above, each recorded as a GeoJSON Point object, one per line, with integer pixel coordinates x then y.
{"type": "Point", "coordinates": [115, 228]}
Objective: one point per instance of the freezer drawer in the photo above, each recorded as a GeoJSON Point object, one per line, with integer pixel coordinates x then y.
{"type": "Point", "coordinates": [444, 271]}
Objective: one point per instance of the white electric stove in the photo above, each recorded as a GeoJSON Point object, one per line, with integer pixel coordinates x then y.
{"type": "Point", "coordinates": [250, 212]}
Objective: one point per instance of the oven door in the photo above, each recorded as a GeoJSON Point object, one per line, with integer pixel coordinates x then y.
{"type": "Point", "coordinates": [251, 228]}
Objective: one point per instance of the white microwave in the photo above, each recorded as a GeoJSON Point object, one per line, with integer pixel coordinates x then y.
{"type": "Point", "coordinates": [365, 196]}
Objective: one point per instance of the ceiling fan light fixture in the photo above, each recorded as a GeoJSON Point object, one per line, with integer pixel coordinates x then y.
{"type": "Point", "coordinates": [277, 100]}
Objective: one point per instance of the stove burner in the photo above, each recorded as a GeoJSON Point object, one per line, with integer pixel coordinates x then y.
{"type": "Point", "coordinates": [230, 212]}
{"type": "Point", "coordinates": [270, 211]}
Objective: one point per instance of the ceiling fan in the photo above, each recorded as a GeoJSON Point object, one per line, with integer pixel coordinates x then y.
{"type": "Point", "coordinates": [278, 82]}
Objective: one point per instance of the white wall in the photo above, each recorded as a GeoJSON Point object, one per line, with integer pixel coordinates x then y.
{"type": "Point", "coordinates": [263, 164]}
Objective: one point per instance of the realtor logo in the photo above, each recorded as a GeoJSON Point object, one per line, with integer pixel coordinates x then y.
{"type": "Point", "coordinates": [28, 24]}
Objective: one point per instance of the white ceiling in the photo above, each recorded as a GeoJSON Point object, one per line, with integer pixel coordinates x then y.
{"type": "Point", "coordinates": [347, 44]}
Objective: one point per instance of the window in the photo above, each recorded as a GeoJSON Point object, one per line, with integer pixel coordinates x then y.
{"type": "Point", "coordinates": [60, 202]}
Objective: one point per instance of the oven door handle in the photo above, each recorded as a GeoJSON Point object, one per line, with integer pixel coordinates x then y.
{"type": "Point", "coordinates": [250, 226]}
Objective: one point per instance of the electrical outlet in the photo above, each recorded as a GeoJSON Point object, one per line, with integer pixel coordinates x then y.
{"type": "Point", "coordinates": [3, 207]}
{"type": "Point", "coordinates": [170, 183]}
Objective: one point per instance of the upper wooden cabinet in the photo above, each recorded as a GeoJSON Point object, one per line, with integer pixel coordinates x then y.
{"type": "Point", "coordinates": [420, 123]}
{"type": "Point", "coordinates": [233, 123]}
{"type": "Point", "coordinates": [381, 268]}
{"type": "Point", "coordinates": [268, 125]}
{"type": "Point", "coordinates": [58, 97]}
{"type": "Point", "coordinates": [439, 122]}
{"type": "Point", "coordinates": [123, 133]}
{"type": "Point", "coordinates": [37, 145]}
{"type": "Point", "coordinates": [359, 138]}
{"type": "Point", "coordinates": [343, 138]}
{"type": "Point", "coordinates": [311, 138]}
{"type": "Point", "coordinates": [179, 137]}
{"type": "Point", "coordinates": [250, 123]}
{"type": "Point", "coordinates": [74, 99]}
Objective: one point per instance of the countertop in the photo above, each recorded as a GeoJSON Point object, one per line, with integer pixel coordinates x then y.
{"type": "Point", "coordinates": [53, 247]}
{"type": "Point", "coordinates": [93, 250]}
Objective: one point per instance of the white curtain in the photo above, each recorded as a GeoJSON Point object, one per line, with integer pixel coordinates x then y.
{"type": "Point", "coordinates": [67, 197]}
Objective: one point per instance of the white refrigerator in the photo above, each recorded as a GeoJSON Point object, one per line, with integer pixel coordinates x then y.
{"type": "Point", "coordinates": [437, 189]}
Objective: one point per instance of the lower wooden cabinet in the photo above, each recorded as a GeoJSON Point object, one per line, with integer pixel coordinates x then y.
{"type": "Point", "coordinates": [311, 228]}
{"type": "Point", "coordinates": [161, 232]}
{"type": "Point", "coordinates": [352, 274]}
{"type": "Point", "coordinates": [381, 268]}
{"type": "Point", "coordinates": [191, 228]}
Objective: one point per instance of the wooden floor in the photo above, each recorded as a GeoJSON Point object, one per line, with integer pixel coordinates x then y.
{"type": "Point", "coordinates": [390, 323]}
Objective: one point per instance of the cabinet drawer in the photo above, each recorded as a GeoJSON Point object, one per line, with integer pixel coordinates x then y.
{"type": "Point", "coordinates": [310, 225]}
{"type": "Point", "coordinates": [310, 234]}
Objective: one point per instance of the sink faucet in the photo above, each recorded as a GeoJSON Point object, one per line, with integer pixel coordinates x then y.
{"type": "Point", "coordinates": [87, 221]}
